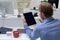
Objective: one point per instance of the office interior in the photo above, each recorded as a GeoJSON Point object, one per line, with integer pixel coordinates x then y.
{"type": "Point", "coordinates": [11, 14]}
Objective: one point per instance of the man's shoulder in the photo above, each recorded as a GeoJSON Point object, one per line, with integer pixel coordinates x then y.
{"type": "Point", "coordinates": [41, 26]}
{"type": "Point", "coordinates": [57, 20]}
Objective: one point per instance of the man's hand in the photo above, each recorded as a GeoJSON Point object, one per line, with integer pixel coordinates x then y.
{"type": "Point", "coordinates": [23, 19]}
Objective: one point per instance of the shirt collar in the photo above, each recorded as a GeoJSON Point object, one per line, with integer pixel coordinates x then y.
{"type": "Point", "coordinates": [48, 19]}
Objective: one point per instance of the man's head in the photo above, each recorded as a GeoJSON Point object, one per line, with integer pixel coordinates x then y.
{"type": "Point", "coordinates": [46, 10]}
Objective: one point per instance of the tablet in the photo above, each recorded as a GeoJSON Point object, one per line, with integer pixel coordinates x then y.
{"type": "Point", "coordinates": [29, 18]}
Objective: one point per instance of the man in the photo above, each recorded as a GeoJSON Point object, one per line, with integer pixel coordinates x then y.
{"type": "Point", "coordinates": [49, 28]}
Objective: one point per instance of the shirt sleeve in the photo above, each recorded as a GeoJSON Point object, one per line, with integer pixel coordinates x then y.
{"type": "Point", "coordinates": [32, 34]}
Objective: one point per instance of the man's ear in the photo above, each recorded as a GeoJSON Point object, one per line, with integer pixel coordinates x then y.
{"type": "Point", "coordinates": [43, 15]}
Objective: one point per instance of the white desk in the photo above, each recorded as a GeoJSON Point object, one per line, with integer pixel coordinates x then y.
{"type": "Point", "coordinates": [22, 37]}
{"type": "Point", "coordinates": [6, 37]}
{"type": "Point", "coordinates": [12, 21]}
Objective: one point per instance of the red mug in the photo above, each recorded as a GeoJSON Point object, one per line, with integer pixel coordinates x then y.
{"type": "Point", "coordinates": [15, 34]}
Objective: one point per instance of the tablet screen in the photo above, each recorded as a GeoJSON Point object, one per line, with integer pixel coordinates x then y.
{"type": "Point", "coordinates": [29, 18]}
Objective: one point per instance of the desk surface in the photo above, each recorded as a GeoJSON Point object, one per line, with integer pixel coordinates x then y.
{"type": "Point", "coordinates": [10, 37]}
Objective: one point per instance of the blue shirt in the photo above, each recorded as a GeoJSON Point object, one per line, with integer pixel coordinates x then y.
{"type": "Point", "coordinates": [47, 30]}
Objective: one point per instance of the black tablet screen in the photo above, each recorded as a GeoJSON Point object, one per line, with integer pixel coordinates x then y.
{"type": "Point", "coordinates": [29, 18]}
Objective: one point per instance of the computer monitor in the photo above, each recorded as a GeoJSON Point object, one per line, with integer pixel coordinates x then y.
{"type": "Point", "coordinates": [54, 1]}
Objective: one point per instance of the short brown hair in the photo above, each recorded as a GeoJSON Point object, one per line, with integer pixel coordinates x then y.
{"type": "Point", "coordinates": [46, 8]}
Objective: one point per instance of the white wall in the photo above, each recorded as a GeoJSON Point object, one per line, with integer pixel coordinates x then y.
{"type": "Point", "coordinates": [34, 3]}
{"type": "Point", "coordinates": [59, 3]}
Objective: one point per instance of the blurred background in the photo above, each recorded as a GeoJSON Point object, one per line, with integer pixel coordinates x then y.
{"type": "Point", "coordinates": [12, 10]}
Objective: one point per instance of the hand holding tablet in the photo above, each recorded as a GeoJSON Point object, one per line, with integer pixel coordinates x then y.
{"type": "Point", "coordinates": [29, 18]}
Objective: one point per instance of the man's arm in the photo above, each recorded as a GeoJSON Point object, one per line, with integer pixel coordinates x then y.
{"type": "Point", "coordinates": [32, 34]}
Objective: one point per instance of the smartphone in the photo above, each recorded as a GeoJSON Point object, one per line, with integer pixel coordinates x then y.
{"type": "Point", "coordinates": [29, 18]}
